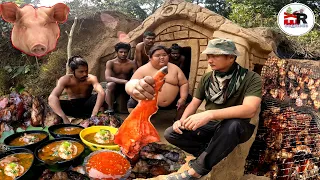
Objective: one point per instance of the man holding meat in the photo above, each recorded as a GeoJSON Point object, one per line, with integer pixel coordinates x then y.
{"type": "Point", "coordinates": [174, 92]}
{"type": "Point", "coordinates": [233, 96]}
{"type": "Point", "coordinates": [81, 102]}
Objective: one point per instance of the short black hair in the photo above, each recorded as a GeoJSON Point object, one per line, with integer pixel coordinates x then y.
{"type": "Point", "coordinates": [156, 48]}
{"type": "Point", "coordinates": [75, 61]}
{"type": "Point", "coordinates": [122, 45]}
{"type": "Point", "coordinates": [175, 47]}
{"type": "Point", "coordinates": [148, 33]}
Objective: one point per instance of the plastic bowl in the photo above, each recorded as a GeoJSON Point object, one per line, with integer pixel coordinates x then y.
{"type": "Point", "coordinates": [60, 165]}
{"type": "Point", "coordinates": [124, 177]}
{"type": "Point", "coordinates": [28, 174]}
{"type": "Point", "coordinates": [52, 128]}
{"type": "Point", "coordinates": [29, 146]}
{"type": "Point", "coordinates": [94, 146]}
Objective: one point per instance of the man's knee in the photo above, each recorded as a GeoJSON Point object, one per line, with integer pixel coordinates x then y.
{"type": "Point", "coordinates": [233, 126]}
{"type": "Point", "coordinates": [132, 103]}
{"type": "Point", "coordinates": [168, 134]}
{"type": "Point", "coordinates": [111, 86]}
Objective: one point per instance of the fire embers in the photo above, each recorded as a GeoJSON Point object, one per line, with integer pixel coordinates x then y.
{"type": "Point", "coordinates": [157, 159]}
{"type": "Point", "coordinates": [287, 145]}
{"type": "Point", "coordinates": [291, 81]}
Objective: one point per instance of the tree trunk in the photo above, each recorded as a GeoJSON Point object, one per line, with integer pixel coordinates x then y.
{"type": "Point", "coordinates": [69, 43]}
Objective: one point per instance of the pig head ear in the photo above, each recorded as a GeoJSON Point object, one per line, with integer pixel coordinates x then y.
{"type": "Point", "coordinates": [10, 12]}
{"type": "Point", "coordinates": [59, 12]}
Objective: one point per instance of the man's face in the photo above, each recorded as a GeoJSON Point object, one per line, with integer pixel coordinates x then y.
{"type": "Point", "coordinates": [122, 54]}
{"type": "Point", "coordinates": [160, 58]}
{"type": "Point", "coordinates": [149, 40]}
{"type": "Point", "coordinates": [175, 54]}
{"type": "Point", "coordinates": [81, 73]}
{"type": "Point", "coordinates": [220, 62]}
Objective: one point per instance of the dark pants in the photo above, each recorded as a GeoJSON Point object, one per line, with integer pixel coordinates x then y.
{"type": "Point", "coordinates": [211, 142]}
{"type": "Point", "coordinates": [79, 108]}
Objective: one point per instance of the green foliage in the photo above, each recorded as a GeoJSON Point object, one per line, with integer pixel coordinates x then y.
{"type": "Point", "coordinates": [221, 7]}
{"type": "Point", "coordinates": [17, 70]}
{"type": "Point", "coordinates": [253, 13]}
{"type": "Point", "coordinates": [43, 82]}
{"type": "Point", "coordinates": [140, 9]}
{"type": "Point", "coordinates": [4, 82]}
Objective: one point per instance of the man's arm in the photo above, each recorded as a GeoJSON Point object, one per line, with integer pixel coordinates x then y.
{"type": "Point", "coordinates": [54, 101]}
{"type": "Point", "coordinates": [248, 109]}
{"type": "Point", "coordinates": [137, 54]}
{"type": "Point", "coordinates": [183, 84]}
{"type": "Point", "coordinates": [100, 99]}
{"type": "Point", "coordinates": [109, 73]}
{"type": "Point", "coordinates": [182, 59]}
{"type": "Point", "coordinates": [134, 66]}
{"type": "Point", "coordinates": [191, 108]}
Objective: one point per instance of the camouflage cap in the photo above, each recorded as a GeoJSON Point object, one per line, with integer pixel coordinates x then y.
{"type": "Point", "coordinates": [221, 46]}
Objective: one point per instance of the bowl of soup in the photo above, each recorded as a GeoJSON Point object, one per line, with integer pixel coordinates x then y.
{"type": "Point", "coordinates": [65, 130]}
{"type": "Point", "coordinates": [99, 138]}
{"type": "Point", "coordinates": [59, 154]}
{"type": "Point", "coordinates": [114, 165]}
{"type": "Point", "coordinates": [16, 164]}
{"type": "Point", "coordinates": [26, 139]}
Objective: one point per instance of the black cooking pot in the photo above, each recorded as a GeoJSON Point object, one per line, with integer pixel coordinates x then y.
{"type": "Point", "coordinates": [28, 173]}
{"type": "Point", "coordinates": [52, 128]}
{"type": "Point", "coordinates": [60, 165]}
{"type": "Point", "coordinates": [29, 146]}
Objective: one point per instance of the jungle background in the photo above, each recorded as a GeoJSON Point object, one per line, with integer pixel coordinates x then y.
{"type": "Point", "coordinates": [38, 75]}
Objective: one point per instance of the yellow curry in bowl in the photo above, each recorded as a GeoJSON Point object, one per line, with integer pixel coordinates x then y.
{"type": "Point", "coordinates": [27, 139]}
{"type": "Point", "coordinates": [60, 151]}
{"type": "Point", "coordinates": [15, 165]}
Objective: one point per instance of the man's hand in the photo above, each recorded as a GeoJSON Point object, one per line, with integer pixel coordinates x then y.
{"type": "Point", "coordinates": [66, 120]}
{"type": "Point", "coordinates": [181, 102]}
{"type": "Point", "coordinates": [177, 127]}
{"type": "Point", "coordinates": [195, 121]}
{"type": "Point", "coordinates": [144, 89]}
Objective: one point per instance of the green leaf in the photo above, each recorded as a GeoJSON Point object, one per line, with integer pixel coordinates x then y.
{"type": "Point", "coordinates": [18, 72]}
{"type": "Point", "coordinates": [8, 68]}
{"type": "Point", "coordinates": [27, 69]}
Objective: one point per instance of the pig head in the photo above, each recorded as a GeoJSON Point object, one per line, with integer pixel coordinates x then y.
{"type": "Point", "coordinates": [35, 30]}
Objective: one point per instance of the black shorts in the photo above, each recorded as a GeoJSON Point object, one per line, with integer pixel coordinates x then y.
{"type": "Point", "coordinates": [132, 103]}
{"type": "Point", "coordinates": [79, 108]}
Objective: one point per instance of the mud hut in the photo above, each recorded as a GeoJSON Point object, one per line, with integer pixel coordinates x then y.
{"type": "Point", "coordinates": [191, 26]}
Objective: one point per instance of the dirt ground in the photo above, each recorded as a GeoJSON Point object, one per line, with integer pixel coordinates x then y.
{"type": "Point", "coordinates": [164, 118]}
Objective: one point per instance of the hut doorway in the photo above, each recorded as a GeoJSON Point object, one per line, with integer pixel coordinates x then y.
{"type": "Point", "coordinates": [186, 52]}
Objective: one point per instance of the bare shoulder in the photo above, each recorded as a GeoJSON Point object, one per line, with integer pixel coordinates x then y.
{"type": "Point", "coordinates": [141, 72]}
{"type": "Point", "coordinates": [139, 46]}
{"type": "Point", "coordinates": [173, 68]}
{"type": "Point", "coordinates": [92, 78]}
{"type": "Point", "coordinates": [110, 62]}
{"type": "Point", "coordinates": [132, 62]}
{"type": "Point", "coordinates": [66, 79]}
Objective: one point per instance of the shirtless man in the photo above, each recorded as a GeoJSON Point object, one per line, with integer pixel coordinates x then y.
{"type": "Point", "coordinates": [173, 93]}
{"type": "Point", "coordinates": [142, 49]}
{"type": "Point", "coordinates": [118, 72]}
{"type": "Point", "coordinates": [79, 85]}
{"type": "Point", "coordinates": [175, 56]}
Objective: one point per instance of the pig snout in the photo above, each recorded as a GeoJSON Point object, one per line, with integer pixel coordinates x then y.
{"type": "Point", "coordinates": [39, 50]}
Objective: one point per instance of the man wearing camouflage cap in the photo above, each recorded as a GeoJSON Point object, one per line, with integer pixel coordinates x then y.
{"type": "Point", "coordinates": [233, 96]}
